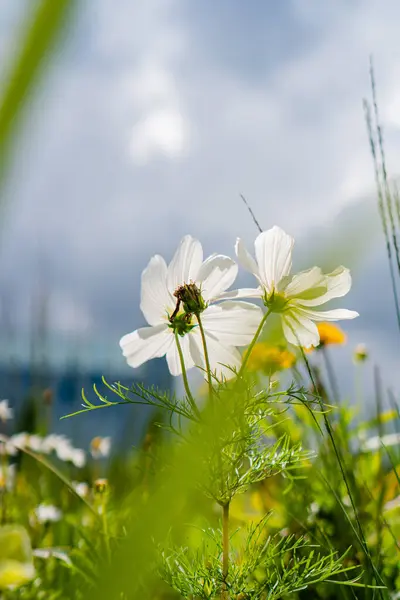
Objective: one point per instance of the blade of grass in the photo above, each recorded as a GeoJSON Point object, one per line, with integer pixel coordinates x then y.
{"type": "Point", "coordinates": [44, 25]}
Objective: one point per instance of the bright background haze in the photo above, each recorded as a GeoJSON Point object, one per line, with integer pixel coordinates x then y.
{"type": "Point", "coordinates": [156, 115]}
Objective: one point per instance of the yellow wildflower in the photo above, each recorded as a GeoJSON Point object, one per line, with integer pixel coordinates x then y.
{"type": "Point", "coordinates": [329, 334]}
{"type": "Point", "coordinates": [16, 560]}
{"type": "Point", "coordinates": [270, 359]}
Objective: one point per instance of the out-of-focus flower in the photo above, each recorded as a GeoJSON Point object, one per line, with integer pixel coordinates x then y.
{"type": "Point", "coordinates": [270, 359]}
{"type": "Point", "coordinates": [81, 488]}
{"type": "Point", "coordinates": [34, 442]}
{"type": "Point", "coordinates": [47, 513]}
{"type": "Point", "coordinates": [6, 412]}
{"type": "Point", "coordinates": [329, 335]}
{"type": "Point", "coordinates": [360, 353]}
{"type": "Point", "coordinates": [172, 296]}
{"type": "Point", "coordinates": [100, 447]}
{"type": "Point", "coordinates": [65, 451]}
{"type": "Point", "coordinates": [17, 441]}
{"type": "Point", "coordinates": [293, 297]}
{"type": "Point", "coordinates": [7, 477]}
{"type": "Point", "coordinates": [52, 441]}
{"type": "Point", "coordinates": [376, 442]}
{"type": "Point", "coordinates": [100, 486]}
{"type": "Point", "coordinates": [78, 457]}
{"type": "Point", "coordinates": [16, 561]}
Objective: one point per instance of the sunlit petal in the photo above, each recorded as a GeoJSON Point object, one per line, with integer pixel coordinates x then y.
{"type": "Point", "coordinates": [274, 256]}
{"type": "Point", "coordinates": [146, 343]}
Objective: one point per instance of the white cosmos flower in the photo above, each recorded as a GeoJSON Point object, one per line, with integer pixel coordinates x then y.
{"type": "Point", "coordinates": [226, 325]}
{"type": "Point", "coordinates": [294, 297]}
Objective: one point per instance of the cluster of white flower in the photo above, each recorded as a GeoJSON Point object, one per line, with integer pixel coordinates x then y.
{"type": "Point", "coordinates": [59, 444]}
{"type": "Point", "coordinates": [174, 297]}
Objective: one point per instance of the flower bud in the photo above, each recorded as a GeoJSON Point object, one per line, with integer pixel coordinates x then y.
{"type": "Point", "coordinates": [191, 298]}
{"type": "Point", "coordinates": [360, 353]}
{"type": "Point", "coordinates": [101, 486]}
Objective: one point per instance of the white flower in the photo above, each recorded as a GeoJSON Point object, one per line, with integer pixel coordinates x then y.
{"type": "Point", "coordinates": [67, 453]}
{"type": "Point", "coordinates": [376, 442]}
{"type": "Point", "coordinates": [81, 488]}
{"type": "Point", "coordinates": [78, 457]}
{"type": "Point", "coordinates": [16, 442]}
{"type": "Point", "coordinates": [6, 412]}
{"type": "Point", "coordinates": [46, 513]}
{"type": "Point", "coordinates": [100, 447]}
{"type": "Point", "coordinates": [294, 297]}
{"type": "Point", "coordinates": [168, 294]}
{"type": "Point", "coordinates": [34, 442]}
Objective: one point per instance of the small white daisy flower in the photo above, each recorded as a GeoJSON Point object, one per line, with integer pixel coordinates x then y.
{"type": "Point", "coordinates": [6, 412]}
{"type": "Point", "coordinates": [100, 447]}
{"type": "Point", "coordinates": [47, 513]}
{"type": "Point", "coordinates": [81, 488]}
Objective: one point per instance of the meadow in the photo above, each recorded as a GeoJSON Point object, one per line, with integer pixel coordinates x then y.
{"type": "Point", "coordinates": [264, 482]}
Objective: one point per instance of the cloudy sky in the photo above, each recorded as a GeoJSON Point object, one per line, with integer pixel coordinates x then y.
{"type": "Point", "coordinates": [152, 120]}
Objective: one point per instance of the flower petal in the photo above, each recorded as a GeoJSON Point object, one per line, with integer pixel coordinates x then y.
{"type": "Point", "coordinates": [307, 283]}
{"type": "Point", "coordinates": [173, 361]}
{"type": "Point", "coordinates": [232, 323]}
{"type": "Point", "coordinates": [242, 293]}
{"type": "Point", "coordinates": [155, 297]}
{"type": "Point", "coordinates": [338, 284]}
{"type": "Point", "coordinates": [146, 343]}
{"type": "Point", "coordinates": [327, 315]}
{"type": "Point", "coordinates": [185, 264]}
{"type": "Point", "coordinates": [299, 330]}
{"type": "Point", "coordinates": [245, 258]}
{"type": "Point", "coordinates": [216, 275]}
{"type": "Point", "coordinates": [274, 256]}
{"type": "Point", "coordinates": [222, 357]}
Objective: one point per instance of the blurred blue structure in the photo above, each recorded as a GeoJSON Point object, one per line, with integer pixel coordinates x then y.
{"type": "Point", "coordinates": [41, 396]}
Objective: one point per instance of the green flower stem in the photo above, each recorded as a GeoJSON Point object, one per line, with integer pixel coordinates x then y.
{"type": "Point", "coordinates": [105, 527]}
{"type": "Point", "coordinates": [253, 342]}
{"type": "Point", "coordinates": [331, 375]}
{"type": "Point", "coordinates": [185, 379]}
{"type": "Point", "coordinates": [3, 493]}
{"type": "Point", "coordinates": [206, 357]}
{"type": "Point", "coordinates": [225, 549]}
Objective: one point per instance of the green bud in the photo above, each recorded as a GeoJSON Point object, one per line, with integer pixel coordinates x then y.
{"type": "Point", "coordinates": [191, 298]}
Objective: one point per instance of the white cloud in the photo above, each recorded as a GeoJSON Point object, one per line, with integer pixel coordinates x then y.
{"type": "Point", "coordinates": [163, 131]}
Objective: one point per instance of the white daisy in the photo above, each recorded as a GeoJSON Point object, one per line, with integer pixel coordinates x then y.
{"type": "Point", "coordinates": [47, 513]}
{"type": "Point", "coordinates": [81, 488]}
{"type": "Point", "coordinates": [170, 298]}
{"type": "Point", "coordinates": [294, 297]}
{"type": "Point", "coordinates": [6, 412]}
{"type": "Point", "coordinates": [100, 447]}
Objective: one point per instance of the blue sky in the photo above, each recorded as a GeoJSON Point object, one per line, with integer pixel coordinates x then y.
{"type": "Point", "coordinates": [156, 116]}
